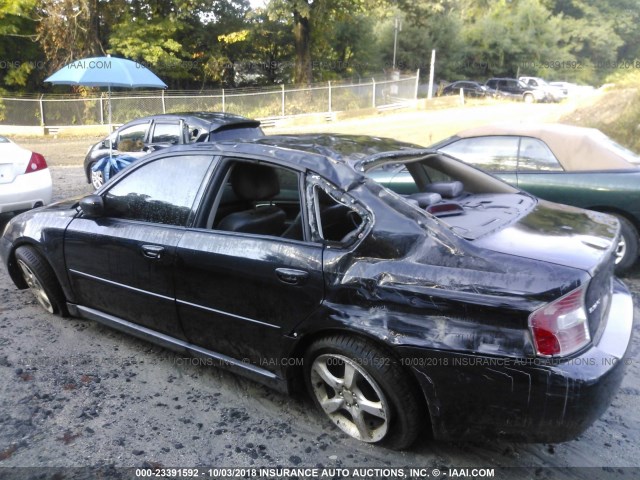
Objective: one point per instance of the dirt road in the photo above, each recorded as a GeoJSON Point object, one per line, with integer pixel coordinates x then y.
{"type": "Point", "coordinates": [74, 393]}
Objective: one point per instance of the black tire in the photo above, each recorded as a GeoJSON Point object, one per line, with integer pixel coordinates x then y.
{"type": "Point", "coordinates": [378, 383]}
{"type": "Point", "coordinates": [528, 98]}
{"type": "Point", "coordinates": [39, 276]}
{"type": "Point", "coordinates": [627, 252]}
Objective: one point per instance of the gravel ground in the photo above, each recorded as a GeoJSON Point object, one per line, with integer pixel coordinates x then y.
{"type": "Point", "coordinates": [74, 393]}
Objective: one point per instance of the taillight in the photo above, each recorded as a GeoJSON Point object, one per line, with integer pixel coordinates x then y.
{"type": "Point", "coordinates": [36, 163]}
{"type": "Point", "coordinates": [561, 327]}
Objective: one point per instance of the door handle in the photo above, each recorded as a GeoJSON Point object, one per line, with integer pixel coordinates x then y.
{"type": "Point", "coordinates": [152, 251]}
{"type": "Point", "coordinates": [292, 276]}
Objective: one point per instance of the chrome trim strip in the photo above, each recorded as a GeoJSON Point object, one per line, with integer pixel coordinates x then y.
{"type": "Point", "coordinates": [181, 302]}
{"type": "Point", "coordinates": [110, 282]}
{"type": "Point", "coordinates": [239, 317]}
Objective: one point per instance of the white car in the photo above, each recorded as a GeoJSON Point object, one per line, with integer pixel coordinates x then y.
{"type": "Point", "coordinates": [25, 180]}
{"type": "Point", "coordinates": [553, 93]}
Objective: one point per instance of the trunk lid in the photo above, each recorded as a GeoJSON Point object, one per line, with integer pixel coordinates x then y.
{"type": "Point", "coordinates": [558, 234]}
{"type": "Point", "coordinates": [13, 161]}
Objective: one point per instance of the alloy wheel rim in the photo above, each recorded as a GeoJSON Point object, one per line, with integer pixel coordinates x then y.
{"type": "Point", "coordinates": [96, 179]}
{"type": "Point", "coordinates": [621, 250]}
{"type": "Point", "coordinates": [350, 397]}
{"type": "Point", "coordinates": [35, 286]}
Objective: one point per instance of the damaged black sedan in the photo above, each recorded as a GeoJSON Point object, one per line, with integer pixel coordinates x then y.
{"type": "Point", "coordinates": [470, 306]}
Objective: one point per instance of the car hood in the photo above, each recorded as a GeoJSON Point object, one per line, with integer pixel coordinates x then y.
{"type": "Point", "coordinates": [558, 234]}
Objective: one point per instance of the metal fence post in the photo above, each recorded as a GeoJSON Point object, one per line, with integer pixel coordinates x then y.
{"type": "Point", "coordinates": [282, 100]}
{"type": "Point", "coordinates": [164, 108]}
{"type": "Point", "coordinates": [42, 124]}
{"type": "Point", "coordinates": [223, 102]}
{"type": "Point", "coordinates": [431, 72]}
{"type": "Point", "coordinates": [415, 95]}
{"type": "Point", "coordinates": [329, 96]}
{"type": "Point", "coordinates": [101, 110]}
{"type": "Point", "coordinates": [373, 96]}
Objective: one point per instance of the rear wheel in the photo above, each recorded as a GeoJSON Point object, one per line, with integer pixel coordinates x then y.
{"type": "Point", "coordinates": [627, 251]}
{"type": "Point", "coordinates": [42, 282]}
{"type": "Point", "coordinates": [363, 391]}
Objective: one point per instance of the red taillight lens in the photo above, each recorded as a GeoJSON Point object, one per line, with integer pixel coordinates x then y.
{"type": "Point", "coordinates": [36, 163]}
{"type": "Point", "coordinates": [561, 327]}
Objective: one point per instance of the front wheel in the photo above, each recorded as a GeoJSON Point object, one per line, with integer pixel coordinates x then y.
{"type": "Point", "coordinates": [363, 391]}
{"type": "Point", "coordinates": [97, 178]}
{"type": "Point", "coordinates": [627, 250]}
{"type": "Point", "coordinates": [39, 277]}
{"type": "Point", "coordinates": [528, 98]}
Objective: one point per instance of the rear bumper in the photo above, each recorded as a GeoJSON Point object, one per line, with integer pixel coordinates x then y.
{"type": "Point", "coordinates": [534, 400]}
{"type": "Point", "coordinates": [26, 191]}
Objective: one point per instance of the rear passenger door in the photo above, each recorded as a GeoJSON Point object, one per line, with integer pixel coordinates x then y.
{"type": "Point", "coordinates": [248, 272]}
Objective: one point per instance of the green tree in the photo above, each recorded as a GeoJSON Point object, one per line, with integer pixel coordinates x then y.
{"type": "Point", "coordinates": [518, 37]}
{"type": "Point", "coordinates": [421, 33]}
{"type": "Point", "coordinates": [68, 30]}
{"type": "Point", "coordinates": [346, 48]}
{"type": "Point", "coordinates": [308, 17]}
{"type": "Point", "coordinates": [21, 55]}
{"type": "Point", "coordinates": [270, 54]}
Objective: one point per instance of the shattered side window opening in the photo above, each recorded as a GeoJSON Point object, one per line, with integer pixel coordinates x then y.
{"type": "Point", "coordinates": [340, 220]}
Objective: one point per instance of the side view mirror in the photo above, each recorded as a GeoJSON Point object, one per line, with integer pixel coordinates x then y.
{"type": "Point", "coordinates": [92, 206]}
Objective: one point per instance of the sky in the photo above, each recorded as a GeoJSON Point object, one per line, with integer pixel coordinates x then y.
{"type": "Point", "coordinates": [257, 3]}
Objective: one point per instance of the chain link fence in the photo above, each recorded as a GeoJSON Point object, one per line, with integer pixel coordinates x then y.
{"type": "Point", "coordinates": [262, 103]}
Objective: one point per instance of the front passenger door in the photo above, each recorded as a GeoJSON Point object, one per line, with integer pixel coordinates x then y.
{"type": "Point", "coordinates": [122, 263]}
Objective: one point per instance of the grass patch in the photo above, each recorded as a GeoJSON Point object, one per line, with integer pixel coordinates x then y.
{"type": "Point", "coordinates": [616, 113]}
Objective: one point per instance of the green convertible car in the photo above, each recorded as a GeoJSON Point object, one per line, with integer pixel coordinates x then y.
{"type": "Point", "coordinates": [560, 163]}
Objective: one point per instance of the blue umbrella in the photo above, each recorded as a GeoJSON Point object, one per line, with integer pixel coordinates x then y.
{"type": "Point", "coordinates": [106, 72]}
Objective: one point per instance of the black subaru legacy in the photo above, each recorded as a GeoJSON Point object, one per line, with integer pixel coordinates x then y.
{"type": "Point", "coordinates": [469, 308]}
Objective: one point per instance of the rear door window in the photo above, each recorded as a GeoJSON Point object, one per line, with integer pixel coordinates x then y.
{"type": "Point", "coordinates": [166, 133]}
{"type": "Point", "coordinates": [535, 156]}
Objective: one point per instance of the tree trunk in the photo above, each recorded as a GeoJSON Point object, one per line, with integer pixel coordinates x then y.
{"type": "Point", "coordinates": [94, 43]}
{"type": "Point", "coordinates": [302, 36]}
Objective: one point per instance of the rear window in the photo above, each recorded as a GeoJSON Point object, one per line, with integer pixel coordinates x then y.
{"type": "Point", "coordinates": [235, 134]}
